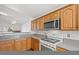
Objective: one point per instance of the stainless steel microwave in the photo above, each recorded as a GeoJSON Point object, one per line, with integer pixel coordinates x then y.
{"type": "Point", "coordinates": [55, 24]}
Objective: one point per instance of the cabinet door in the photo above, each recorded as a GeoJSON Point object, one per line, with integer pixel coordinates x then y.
{"type": "Point", "coordinates": [11, 45]}
{"type": "Point", "coordinates": [23, 44]}
{"type": "Point", "coordinates": [47, 18]}
{"type": "Point", "coordinates": [68, 18]}
{"type": "Point", "coordinates": [52, 16]}
{"type": "Point", "coordinates": [78, 17]}
{"type": "Point", "coordinates": [18, 45]}
{"type": "Point", "coordinates": [7, 45]}
{"type": "Point", "coordinates": [41, 24]}
{"type": "Point", "coordinates": [35, 44]}
{"type": "Point", "coordinates": [57, 14]}
{"type": "Point", "coordinates": [38, 27]}
{"type": "Point", "coordinates": [28, 43]}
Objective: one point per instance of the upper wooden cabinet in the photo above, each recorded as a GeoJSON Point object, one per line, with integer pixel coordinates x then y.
{"type": "Point", "coordinates": [52, 16]}
{"type": "Point", "coordinates": [55, 15]}
{"type": "Point", "coordinates": [47, 18]}
{"type": "Point", "coordinates": [78, 17]}
{"type": "Point", "coordinates": [41, 23]}
{"type": "Point", "coordinates": [34, 25]}
{"type": "Point", "coordinates": [69, 17]}
{"type": "Point", "coordinates": [38, 24]}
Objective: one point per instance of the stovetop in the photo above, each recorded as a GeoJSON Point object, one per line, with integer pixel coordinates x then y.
{"type": "Point", "coordinates": [51, 40]}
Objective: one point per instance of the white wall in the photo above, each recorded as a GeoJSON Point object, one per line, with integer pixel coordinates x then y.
{"type": "Point", "coordinates": [3, 28]}
{"type": "Point", "coordinates": [26, 27]}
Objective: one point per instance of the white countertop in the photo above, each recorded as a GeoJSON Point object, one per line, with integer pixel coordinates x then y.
{"type": "Point", "coordinates": [71, 45]}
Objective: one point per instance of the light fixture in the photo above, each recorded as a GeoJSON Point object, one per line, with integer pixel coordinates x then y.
{"type": "Point", "coordinates": [2, 13]}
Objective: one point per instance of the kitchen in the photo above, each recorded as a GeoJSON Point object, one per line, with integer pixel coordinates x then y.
{"type": "Point", "coordinates": [39, 27]}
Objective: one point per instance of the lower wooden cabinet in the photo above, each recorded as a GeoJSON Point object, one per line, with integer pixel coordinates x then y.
{"type": "Point", "coordinates": [7, 45]}
{"type": "Point", "coordinates": [35, 44]}
{"type": "Point", "coordinates": [61, 49]}
{"type": "Point", "coordinates": [28, 43]}
{"type": "Point", "coordinates": [18, 45]}
{"type": "Point", "coordinates": [22, 44]}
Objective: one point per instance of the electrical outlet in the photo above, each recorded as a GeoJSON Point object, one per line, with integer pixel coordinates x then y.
{"type": "Point", "coordinates": [68, 35]}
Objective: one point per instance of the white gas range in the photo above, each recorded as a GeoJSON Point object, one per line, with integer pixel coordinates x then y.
{"type": "Point", "coordinates": [51, 43]}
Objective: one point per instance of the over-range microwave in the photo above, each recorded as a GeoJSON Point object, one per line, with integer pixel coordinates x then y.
{"type": "Point", "coordinates": [54, 24]}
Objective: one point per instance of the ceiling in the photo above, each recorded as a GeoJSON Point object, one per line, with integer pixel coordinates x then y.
{"type": "Point", "coordinates": [24, 12]}
{"type": "Point", "coordinates": [33, 10]}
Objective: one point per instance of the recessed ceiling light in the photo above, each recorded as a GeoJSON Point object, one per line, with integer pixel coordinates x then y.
{"type": "Point", "coordinates": [2, 13]}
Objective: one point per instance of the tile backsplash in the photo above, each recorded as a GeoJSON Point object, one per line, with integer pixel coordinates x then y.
{"type": "Point", "coordinates": [55, 33]}
{"type": "Point", "coordinates": [61, 34]}
{"type": "Point", "coordinates": [64, 34]}
{"type": "Point", "coordinates": [71, 34]}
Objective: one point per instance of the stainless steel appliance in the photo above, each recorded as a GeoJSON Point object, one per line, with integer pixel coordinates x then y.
{"type": "Point", "coordinates": [54, 24]}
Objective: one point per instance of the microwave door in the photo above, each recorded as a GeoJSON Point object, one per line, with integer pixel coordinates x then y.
{"type": "Point", "coordinates": [52, 24]}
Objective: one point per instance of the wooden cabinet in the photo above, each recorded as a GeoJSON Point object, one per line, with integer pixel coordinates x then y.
{"type": "Point", "coordinates": [23, 44]}
{"type": "Point", "coordinates": [47, 18]}
{"type": "Point", "coordinates": [69, 17]}
{"type": "Point", "coordinates": [69, 20]}
{"type": "Point", "coordinates": [55, 15]}
{"type": "Point", "coordinates": [34, 24]}
{"type": "Point", "coordinates": [61, 49]}
{"type": "Point", "coordinates": [52, 16]}
{"type": "Point", "coordinates": [7, 45]}
{"type": "Point", "coordinates": [35, 44]}
{"type": "Point", "coordinates": [41, 24]}
{"type": "Point", "coordinates": [38, 24]}
{"type": "Point", "coordinates": [18, 45]}
{"type": "Point", "coordinates": [78, 18]}
{"type": "Point", "coordinates": [28, 43]}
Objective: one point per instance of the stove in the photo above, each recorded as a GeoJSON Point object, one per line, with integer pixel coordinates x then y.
{"type": "Point", "coordinates": [50, 43]}
{"type": "Point", "coordinates": [51, 40]}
